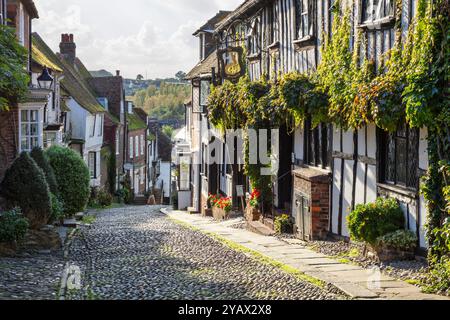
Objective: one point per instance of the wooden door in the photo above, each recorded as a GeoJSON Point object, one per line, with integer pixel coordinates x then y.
{"type": "Point", "coordinates": [303, 217]}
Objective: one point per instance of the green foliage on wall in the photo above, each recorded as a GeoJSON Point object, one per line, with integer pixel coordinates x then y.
{"type": "Point", "coordinates": [14, 78]}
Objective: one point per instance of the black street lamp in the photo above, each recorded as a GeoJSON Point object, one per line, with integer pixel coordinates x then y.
{"type": "Point", "coordinates": [45, 80]}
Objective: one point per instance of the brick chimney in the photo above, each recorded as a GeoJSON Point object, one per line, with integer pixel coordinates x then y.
{"type": "Point", "coordinates": [117, 73]}
{"type": "Point", "coordinates": [68, 48]}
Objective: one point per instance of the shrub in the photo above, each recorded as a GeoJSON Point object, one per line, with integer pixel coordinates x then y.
{"type": "Point", "coordinates": [13, 226]}
{"type": "Point", "coordinates": [401, 239]}
{"type": "Point", "coordinates": [42, 161]}
{"type": "Point", "coordinates": [371, 221]}
{"type": "Point", "coordinates": [93, 197]}
{"type": "Point", "coordinates": [57, 209]}
{"type": "Point", "coordinates": [72, 176]}
{"type": "Point", "coordinates": [438, 279]}
{"type": "Point", "coordinates": [283, 224]}
{"type": "Point", "coordinates": [24, 186]}
{"type": "Point", "coordinates": [104, 199]}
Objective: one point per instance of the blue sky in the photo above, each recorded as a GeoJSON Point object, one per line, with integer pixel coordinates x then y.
{"type": "Point", "coordinates": [150, 37]}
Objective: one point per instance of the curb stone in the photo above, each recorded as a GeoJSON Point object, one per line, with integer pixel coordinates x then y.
{"type": "Point", "coordinates": [350, 284]}
{"type": "Point", "coordinates": [63, 284]}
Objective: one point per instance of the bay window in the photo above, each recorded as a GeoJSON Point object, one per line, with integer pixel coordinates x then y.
{"type": "Point", "coordinates": [29, 130]}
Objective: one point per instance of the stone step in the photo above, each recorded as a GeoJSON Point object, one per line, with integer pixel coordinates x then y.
{"type": "Point", "coordinates": [260, 228]}
{"type": "Point", "coordinates": [70, 223]}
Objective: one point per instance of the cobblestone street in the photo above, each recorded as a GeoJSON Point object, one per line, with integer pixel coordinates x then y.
{"type": "Point", "coordinates": [31, 277]}
{"type": "Point", "coordinates": [138, 253]}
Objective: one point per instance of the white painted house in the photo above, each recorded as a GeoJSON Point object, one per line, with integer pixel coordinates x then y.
{"type": "Point", "coordinates": [86, 117]}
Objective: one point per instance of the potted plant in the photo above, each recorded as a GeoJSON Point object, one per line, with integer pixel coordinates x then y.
{"type": "Point", "coordinates": [253, 213]}
{"type": "Point", "coordinates": [399, 245]}
{"type": "Point", "coordinates": [222, 208]}
{"type": "Point", "coordinates": [212, 199]}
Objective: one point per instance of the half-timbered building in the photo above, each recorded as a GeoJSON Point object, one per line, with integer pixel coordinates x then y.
{"type": "Point", "coordinates": [330, 170]}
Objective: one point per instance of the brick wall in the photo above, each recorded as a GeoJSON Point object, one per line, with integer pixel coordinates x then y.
{"type": "Point", "coordinates": [9, 124]}
{"type": "Point", "coordinates": [315, 184]}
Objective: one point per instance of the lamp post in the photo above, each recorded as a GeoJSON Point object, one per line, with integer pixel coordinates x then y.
{"type": "Point", "coordinates": [45, 80]}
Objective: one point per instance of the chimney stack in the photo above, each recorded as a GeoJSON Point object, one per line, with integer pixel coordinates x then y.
{"type": "Point", "coordinates": [68, 48]}
{"type": "Point", "coordinates": [118, 73]}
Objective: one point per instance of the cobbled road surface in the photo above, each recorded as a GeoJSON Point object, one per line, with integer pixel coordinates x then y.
{"type": "Point", "coordinates": [138, 253]}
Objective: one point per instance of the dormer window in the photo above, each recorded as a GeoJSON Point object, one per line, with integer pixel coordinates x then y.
{"type": "Point", "coordinates": [304, 24]}
{"type": "Point", "coordinates": [374, 10]}
{"type": "Point", "coordinates": [202, 46]}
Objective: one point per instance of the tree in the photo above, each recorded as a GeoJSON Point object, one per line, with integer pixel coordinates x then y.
{"type": "Point", "coordinates": [72, 176]}
{"type": "Point", "coordinates": [24, 186]}
{"type": "Point", "coordinates": [168, 131]}
{"type": "Point", "coordinates": [13, 75]}
{"type": "Point", "coordinates": [140, 77]}
{"type": "Point", "coordinates": [180, 75]}
{"type": "Point", "coordinates": [42, 161]}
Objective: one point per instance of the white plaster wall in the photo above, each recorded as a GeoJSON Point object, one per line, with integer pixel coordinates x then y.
{"type": "Point", "coordinates": [77, 119]}
{"type": "Point", "coordinates": [184, 199]}
{"type": "Point", "coordinates": [165, 177]}
{"type": "Point", "coordinates": [299, 141]}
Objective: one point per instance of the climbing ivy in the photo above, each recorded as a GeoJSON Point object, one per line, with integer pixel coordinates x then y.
{"type": "Point", "coordinates": [14, 78]}
{"type": "Point", "coordinates": [409, 84]}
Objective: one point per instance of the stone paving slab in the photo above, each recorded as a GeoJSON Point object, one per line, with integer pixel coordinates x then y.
{"type": "Point", "coordinates": [351, 279]}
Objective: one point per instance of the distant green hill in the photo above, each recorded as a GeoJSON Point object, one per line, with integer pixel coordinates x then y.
{"type": "Point", "coordinates": [164, 102]}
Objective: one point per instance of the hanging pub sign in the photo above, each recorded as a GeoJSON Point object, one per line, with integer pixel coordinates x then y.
{"type": "Point", "coordinates": [231, 63]}
{"type": "Point", "coordinates": [205, 90]}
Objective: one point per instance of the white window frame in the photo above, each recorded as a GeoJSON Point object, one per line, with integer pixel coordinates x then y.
{"type": "Point", "coordinates": [90, 164]}
{"type": "Point", "coordinates": [366, 4]}
{"type": "Point", "coordinates": [131, 148]}
{"type": "Point", "coordinates": [117, 141]}
{"type": "Point", "coordinates": [142, 145]}
{"type": "Point", "coordinates": [28, 123]}
{"type": "Point", "coordinates": [100, 132]}
{"type": "Point", "coordinates": [92, 133]}
{"type": "Point", "coordinates": [136, 141]}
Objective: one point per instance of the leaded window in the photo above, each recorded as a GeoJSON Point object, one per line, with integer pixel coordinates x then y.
{"type": "Point", "coordinates": [318, 145]}
{"type": "Point", "coordinates": [303, 18]}
{"type": "Point", "coordinates": [274, 23]}
{"type": "Point", "coordinates": [374, 10]}
{"type": "Point", "coordinates": [401, 157]}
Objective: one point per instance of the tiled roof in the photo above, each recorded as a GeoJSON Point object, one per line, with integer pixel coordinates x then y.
{"type": "Point", "coordinates": [135, 122]}
{"type": "Point", "coordinates": [210, 25]}
{"type": "Point", "coordinates": [78, 88]}
{"type": "Point", "coordinates": [204, 67]}
{"type": "Point", "coordinates": [43, 55]}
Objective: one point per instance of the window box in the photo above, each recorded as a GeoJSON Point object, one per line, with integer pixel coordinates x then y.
{"type": "Point", "coordinates": [305, 43]}
{"type": "Point", "coordinates": [274, 46]}
{"type": "Point", "coordinates": [254, 57]}
{"type": "Point", "coordinates": [386, 22]}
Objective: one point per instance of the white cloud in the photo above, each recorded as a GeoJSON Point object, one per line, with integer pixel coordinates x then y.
{"type": "Point", "coordinates": [152, 37]}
